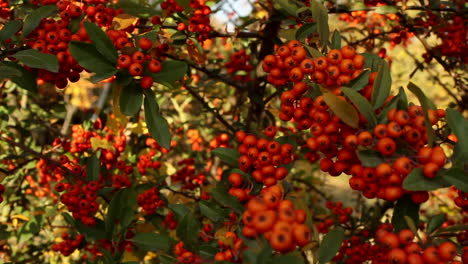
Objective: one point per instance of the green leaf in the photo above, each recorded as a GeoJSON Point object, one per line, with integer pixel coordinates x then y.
{"type": "Point", "coordinates": [382, 85]}
{"type": "Point", "coordinates": [121, 207]}
{"type": "Point", "coordinates": [361, 81]}
{"type": "Point", "coordinates": [386, 9]}
{"type": "Point", "coordinates": [457, 177]}
{"type": "Point", "coordinates": [131, 99]}
{"type": "Point", "coordinates": [287, 6]}
{"type": "Point", "coordinates": [87, 55]}
{"type": "Point", "coordinates": [222, 196]}
{"type": "Point", "coordinates": [9, 29]}
{"type": "Point", "coordinates": [228, 155]}
{"type": "Point", "coordinates": [416, 181]}
{"type": "Point", "coordinates": [102, 42]}
{"type": "Point", "coordinates": [27, 79]}
{"type": "Point", "coordinates": [93, 167]}
{"type": "Point", "coordinates": [36, 59]}
{"type": "Point", "coordinates": [157, 125]}
{"type": "Point", "coordinates": [314, 52]}
{"type": "Point", "coordinates": [135, 8]}
{"type": "Point", "coordinates": [152, 241]}
{"type": "Point", "coordinates": [399, 102]}
{"type": "Point", "coordinates": [188, 228]}
{"type": "Point", "coordinates": [372, 61]}
{"type": "Point", "coordinates": [171, 72]}
{"type": "Point", "coordinates": [344, 110]}
{"type": "Point", "coordinates": [320, 16]}
{"type": "Point", "coordinates": [330, 245]}
{"type": "Point", "coordinates": [33, 19]}
{"type": "Point", "coordinates": [435, 222]}
{"type": "Point", "coordinates": [370, 158]}
{"type": "Point", "coordinates": [364, 107]}
{"type": "Point", "coordinates": [305, 30]}
{"type": "Point", "coordinates": [179, 210]}
{"type": "Point", "coordinates": [405, 207]}
{"type": "Point", "coordinates": [336, 40]}
{"type": "Point", "coordinates": [8, 71]}
{"type": "Point", "coordinates": [459, 126]}
{"type": "Point", "coordinates": [212, 211]}
{"type": "Point", "coordinates": [90, 233]}
{"type": "Point", "coordinates": [425, 104]}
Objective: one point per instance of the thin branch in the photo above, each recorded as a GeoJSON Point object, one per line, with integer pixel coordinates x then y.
{"type": "Point", "coordinates": [210, 109]}
{"type": "Point", "coordinates": [183, 194]}
{"type": "Point", "coordinates": [312, 187]}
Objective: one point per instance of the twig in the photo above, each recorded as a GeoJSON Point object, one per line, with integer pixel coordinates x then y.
{"type": "Point", "coordinates": [312, 187]}
{"type": "Point", "coordinates": [183, 194]}
{"type": "Point", "coordinates": [210, 109]}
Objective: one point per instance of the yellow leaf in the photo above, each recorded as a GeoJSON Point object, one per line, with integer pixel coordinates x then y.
{"type": "Point", "coordinates": [344, 110]}
{"type": "Point", "coordinates": [22, 217]}
{"type": "Point", "coordinates": [101, 143]}
{"type": "Point", "coordinates": [123, 21]}
{"type": "Point", "coordinates": [130, 256]}
{"type": "Point", "coordinates": [196, 55]}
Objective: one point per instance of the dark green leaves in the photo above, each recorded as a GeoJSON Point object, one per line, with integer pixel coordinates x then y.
{"type": "Point", "coordinates": [362, 104]}
{"type": "Point", "coordinates": [305, 30]}
{"type": "Point", "coordinates": [405, 207]}
{"type": "Point", "coordinates": [171, 72]}
{"type": "Point", "coordinates": [361, 81]}
{"type": "Point", "coordinates": [320, 16]}
{"type": "Point", "coordinates": [435, 222]}
{"type": "Point", "coordinates": [228, 155]}
{"type": "Point", "coordinates": [416, 181]}
{"type": "Point", "coordinates": [157, 125]}
{"type": "Point", "coordinates": [222, 196]}
{"type": "Point", "coordinates": [36, 59]}
{"type": "Point", "coordinates": [188, 228]}
{"type": "Point", "coordinates": [93, 168]}
{"type": "Point", "coordinates": [34, 18]}
{"type": "Point", "coordinates": [122, 207]}
{"type": "Point", "coordinates": [382, 85]}
{"type": "Point", "coordinates": [131, 99]}
{"type": "Point", "coordinates": [9, 29]}
{"type": "Point", "coordinates": [330, 245]}
{"type": "Point", "coordinates": [211, 210]}
{"type": "Point", "coordinates": [152, 241]}
{"type": "Point", "coordinates": [457, 177]}
{"type": "Point", "coordinates": [336, 40]}
{"type": "Point", "coordinates": [25, 80]}
{"type": "Point", "coordinates": [88, 56]}
{"type": "Point", "coordinates": [459, 126]}
{"type": "Point", "coordinates": [8, 71]}
{"type": "Point", "coordinates": [101, 41]}
{"type": "Point", "coordinates": [369, 158]}
{"type": "Point", "coordinates": [426, 104]}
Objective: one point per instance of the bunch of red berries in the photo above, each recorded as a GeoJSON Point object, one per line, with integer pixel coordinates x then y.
{"type": "Point", "coordinates": [68, 245]}
{"type": "Point", "coordinates": [150, 201]}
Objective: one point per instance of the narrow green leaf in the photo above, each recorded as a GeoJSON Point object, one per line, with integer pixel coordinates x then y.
{"type": "Point", "coordinates": [336, 40]}
{"type": "Point", "coordinates": [157, 125]}
{"type": "Point", "coordinates": [171, 72]}
{"type": "Point", "coordinates": [416, 181]}
{"type": "Point", "coordinates": [361, 81]}
{"type": "Point", "coordinates": [459, 126]}
{"type": "Point", "coordinates": [330, 245]}
{"type": "Point", "coordinates": [426, 104]}
{"type": "Point", "coordinates": [87, 55]}
{"type": "Point", "coordinates": [364, 107]}
{"type": "Point", "coordinates": [121, 207]}
{"type": "Point", "coordinates": [399, 102]}
{"type": "Point", "coordinates": [9, 72]}
{"type": "Point", "coordinates": [188, 228]}
{"type": "Point", "coordinates": [36, 59]}
{"type": "Point", "coordinates": [386, 9]}
{"type": "Point", "coordinates": [224, 198]}
{"type": "Point", "coordinates": [131, 99]}
{"type": "Point", "coordinates": [93, 168]}
{"type": "Point", "coordinates": [33, 19]}
{"type": "Point", "coordinates": [287, 6]}
{"type": "Point", "coordinates": [314, 52]}
{"type": "Point", "coordinates": [344, 110]}
{"type": "Point", "coordinates": [102, 42]}
{"type": "Point", "coordinates": [228, 155]}
{"type": "Point", "coordinates": [212, 211]}
{"type": "Point", "coordinates": [435, 222]}
{"type": "Point", "coordinates": [135, 8]}
{"type": "Point", "coordinates": [305, 30]}
{"type": "Point", "coordinates": [373, 61]}
{"type": "Point", "coordinates": [320, 16]}
{"type": "Point", "coordinates": [152, 241]}
{"type": "Point", "coordinates": [457, 177]}
{"type": "Point", "coordinates": [382, 85]}
{"type": "Point", "coordinates": [9, 29]}
{"type": "Point", "coordinates": [370, 158]}
{"type": "Point", "coordinates": [405, 207]}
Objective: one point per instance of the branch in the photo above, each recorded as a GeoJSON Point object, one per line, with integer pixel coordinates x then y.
{"type": "Point", "coordinates": [210, 109]}
{"type": "Point", "coordinates": [312, 187]}
{"type": "Point", "coordinates": [183, 194]}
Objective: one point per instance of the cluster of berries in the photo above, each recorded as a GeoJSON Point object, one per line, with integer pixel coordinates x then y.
{"type": "Point", "coordinates": [149, 200]}
{"type": "Point", "coordinates": [277, 219]}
